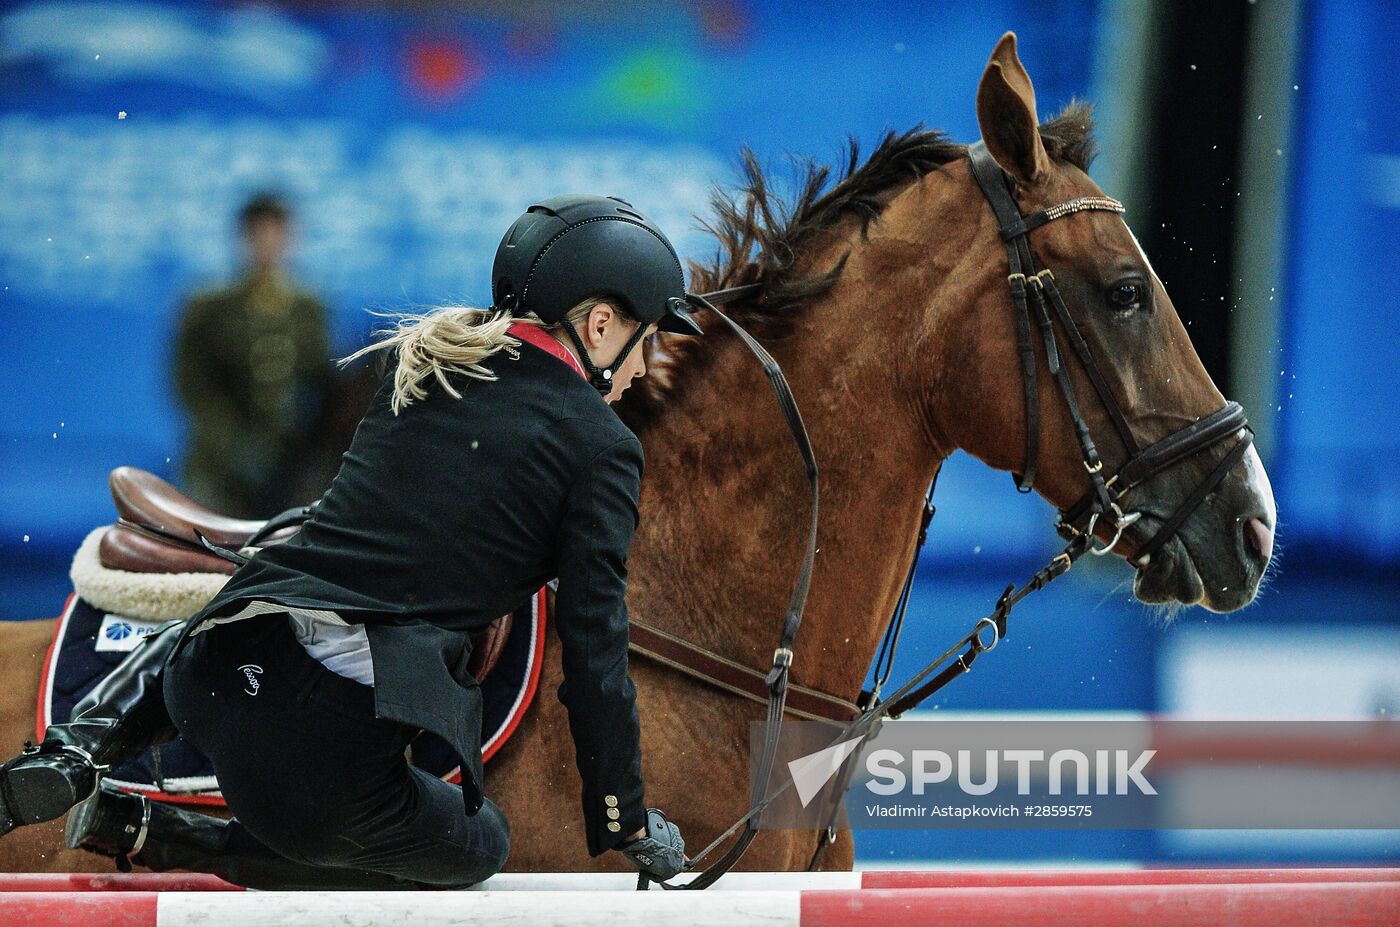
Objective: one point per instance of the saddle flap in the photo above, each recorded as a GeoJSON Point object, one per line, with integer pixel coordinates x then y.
{"type": "Point", "coordinates": [124, 548]}
{"type": "Point", "coordinates": [488, 645]}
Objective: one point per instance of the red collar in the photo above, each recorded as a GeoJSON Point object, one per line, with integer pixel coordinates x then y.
{"type": "Point", "coordinates": [533, 334]}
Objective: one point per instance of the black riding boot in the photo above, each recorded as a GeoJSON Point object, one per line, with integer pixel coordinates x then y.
{"type": "Point", "coordinates": [122, 716]}
{"type": "Point", "coordinates": [163, 837]}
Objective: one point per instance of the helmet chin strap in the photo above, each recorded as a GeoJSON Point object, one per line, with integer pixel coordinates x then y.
{"type": "Point", "coordinates": [602, 377]}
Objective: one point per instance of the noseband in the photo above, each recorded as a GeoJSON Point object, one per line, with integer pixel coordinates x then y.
{"type": "Point", "coordinates": [1036, 296]}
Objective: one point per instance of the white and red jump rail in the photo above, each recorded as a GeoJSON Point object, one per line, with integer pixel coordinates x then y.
{"type": "Point", "coordinates": [1046, 898]}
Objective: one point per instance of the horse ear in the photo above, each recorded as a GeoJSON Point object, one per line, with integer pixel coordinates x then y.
{"type": "Point", "coordinates": [1006, 115]}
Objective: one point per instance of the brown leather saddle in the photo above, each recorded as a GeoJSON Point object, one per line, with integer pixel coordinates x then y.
{"type": "Point", "coordinates": [155, 532]}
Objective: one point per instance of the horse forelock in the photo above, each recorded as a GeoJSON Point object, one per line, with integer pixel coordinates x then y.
{"type": "Point", "coordinates": [762, 238]}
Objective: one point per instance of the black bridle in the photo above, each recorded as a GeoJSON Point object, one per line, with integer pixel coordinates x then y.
{"type": "Point", "coordinates": [1036, 297]}
{"type": "Point", "coordinates": [1035, 294]}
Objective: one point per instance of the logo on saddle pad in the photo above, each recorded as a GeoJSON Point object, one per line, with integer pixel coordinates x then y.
{"type": "Point", "coordinates": [251, 671]}
{"type": "Point", "coordinates": [120, 634]}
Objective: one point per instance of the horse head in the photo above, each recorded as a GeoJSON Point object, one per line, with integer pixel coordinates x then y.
{"type": "Point", "coordinates": [887, 296]}
{"type": "Point", "coordinates": [1151, 383]}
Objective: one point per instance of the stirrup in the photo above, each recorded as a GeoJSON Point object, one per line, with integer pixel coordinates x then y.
{"type": "Point", "coordinates": [124, 858]}
{"type": "Point", "coordinates": [109, 830]}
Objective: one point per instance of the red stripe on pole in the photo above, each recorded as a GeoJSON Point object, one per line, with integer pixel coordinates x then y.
{"type": "Point", "coordinates": [1366, 742]}
{"type": "Point", "coordinates": [1048, 877]}
{"type": "Point", "coordinates": [112, 882]}
{"type": "Point", "coordinates": [79, 909]}
{"type": "Point", "coordinates": [1350, 904]}
{"type": "Point", "coordinates": [1337, 904]}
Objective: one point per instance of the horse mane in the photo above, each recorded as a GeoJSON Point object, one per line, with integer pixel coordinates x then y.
{"type": "Point", "coordinates": [761, 239]}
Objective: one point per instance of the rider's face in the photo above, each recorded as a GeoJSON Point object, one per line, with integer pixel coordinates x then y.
{"type": "Point", "coordinates": [606, 333]}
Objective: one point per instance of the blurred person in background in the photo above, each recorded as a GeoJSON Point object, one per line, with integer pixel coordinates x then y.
{"type": "Point", "coordinates": [252, 369]}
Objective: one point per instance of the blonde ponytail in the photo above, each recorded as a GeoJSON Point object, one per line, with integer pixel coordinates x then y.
{"type": "Point", "coordinates": [450, 340]}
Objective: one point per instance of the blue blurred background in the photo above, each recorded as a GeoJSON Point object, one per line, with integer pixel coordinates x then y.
{"type": "Point", "coordinates": [1259, 156]}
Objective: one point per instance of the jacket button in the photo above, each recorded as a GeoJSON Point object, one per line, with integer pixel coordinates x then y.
{"type": "Point", "coordinates": [614, 813]}
{"type": "Point", "coordinates": [610, 801]}
{"type": "Point", "coordinates": [614, 826]}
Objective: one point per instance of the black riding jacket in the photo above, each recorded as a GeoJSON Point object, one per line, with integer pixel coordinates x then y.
{"type": "Point", "coordinates": [445, 517]}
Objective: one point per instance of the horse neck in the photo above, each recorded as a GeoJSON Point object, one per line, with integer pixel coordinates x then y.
{"type": "Point", "coordinates": [726, 510]}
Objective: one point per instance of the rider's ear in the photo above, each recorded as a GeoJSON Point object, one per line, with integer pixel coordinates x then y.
{"type": "Point", "coordinates": [599, 316]}
{"type": "Point", "coordinates": [1006, 115]}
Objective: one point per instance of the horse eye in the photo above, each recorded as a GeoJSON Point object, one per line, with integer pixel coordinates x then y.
{"type": "Point", "coordinates": [1125, 295]}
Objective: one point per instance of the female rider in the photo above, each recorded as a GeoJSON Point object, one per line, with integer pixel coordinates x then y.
{"type": "Point", "coordinates": [488, 463]}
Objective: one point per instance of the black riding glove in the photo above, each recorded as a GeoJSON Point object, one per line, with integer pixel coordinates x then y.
{"type": "Point", "coordinates": [660, 853]}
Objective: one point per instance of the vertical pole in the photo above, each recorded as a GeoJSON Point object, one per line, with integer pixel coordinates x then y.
{"type": "Point", "coordinates": [1261, 243]}
{"type": "Point", "coordinates": [1126, 72]}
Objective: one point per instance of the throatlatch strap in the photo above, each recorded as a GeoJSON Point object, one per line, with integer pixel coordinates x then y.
{"type": "Point", "coordinates": [992, 179]}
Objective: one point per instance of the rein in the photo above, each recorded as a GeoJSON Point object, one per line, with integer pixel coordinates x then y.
{"type": "Point", "coordinates": [775, 682]}
{"type": "Point", "coordinates": [1035, 295]}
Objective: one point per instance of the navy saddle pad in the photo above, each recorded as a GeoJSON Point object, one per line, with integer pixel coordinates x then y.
{"type": "Point", "coordinates": [89, 643]}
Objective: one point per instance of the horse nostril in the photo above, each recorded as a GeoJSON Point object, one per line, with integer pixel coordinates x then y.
{"type": "Point", "coordinates": [1259, 537]}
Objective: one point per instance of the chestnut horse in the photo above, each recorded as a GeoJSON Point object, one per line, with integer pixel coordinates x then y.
{"type": "Point", "coordinates": [884, 296]}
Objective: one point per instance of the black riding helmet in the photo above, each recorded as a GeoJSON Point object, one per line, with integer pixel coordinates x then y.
{"type": "Point", "coordinates": [569, 248]}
